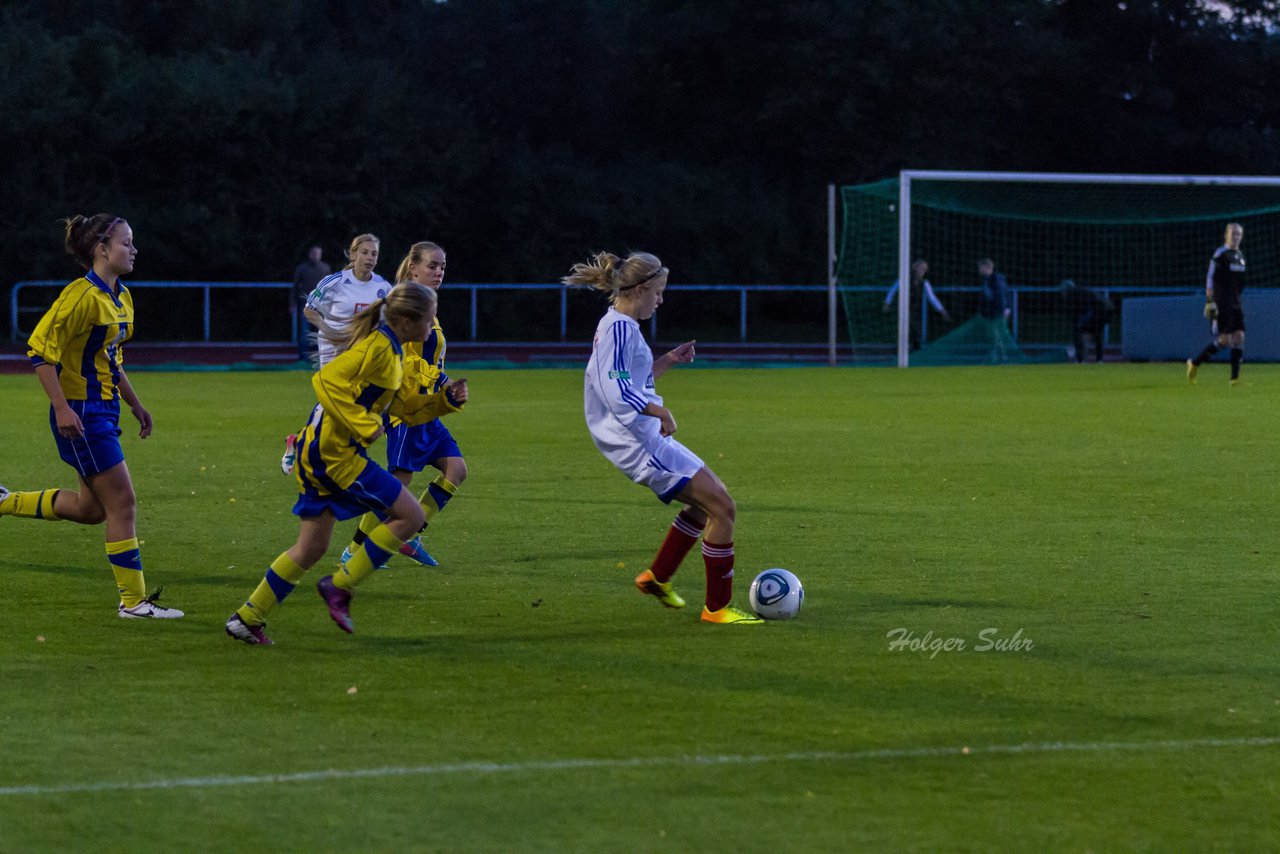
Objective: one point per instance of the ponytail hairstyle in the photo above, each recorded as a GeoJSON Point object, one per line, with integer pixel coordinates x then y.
{"type": "Point", "coordinates": [417, 254]}
{"type": "Point", "coordinates": [355, 245]}
{"type": "Point", "coordinates": [405, 301]}
{"type": "Point", "coordinates": [85, 233]}
{"type": "Point", "coordinates": [612, 275]}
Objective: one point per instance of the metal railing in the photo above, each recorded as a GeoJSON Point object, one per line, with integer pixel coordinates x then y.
{"type": "Point", "coordinates": [17, 311]}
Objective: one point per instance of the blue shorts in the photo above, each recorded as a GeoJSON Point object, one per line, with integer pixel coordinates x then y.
{"type": "Point", "coordinates": [374, 489]}
{"type": "Point", "coordinates": [99, 448]}
{"type": "Point", "coordinates": [415, 448]}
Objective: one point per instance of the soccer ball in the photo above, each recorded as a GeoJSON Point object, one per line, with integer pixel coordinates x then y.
{"type": "Point", "coordinates": [776, 595]}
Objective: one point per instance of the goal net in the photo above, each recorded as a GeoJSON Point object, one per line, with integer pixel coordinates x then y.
{"type": "Point", "coordinates": [1071, 248]}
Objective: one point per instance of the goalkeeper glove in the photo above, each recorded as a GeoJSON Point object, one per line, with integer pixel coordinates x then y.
{"type": "Point", "coordinates": [1211, 310]}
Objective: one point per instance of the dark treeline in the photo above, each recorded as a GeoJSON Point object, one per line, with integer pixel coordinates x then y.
{"type": "Point", "coordinates": [523, 135]}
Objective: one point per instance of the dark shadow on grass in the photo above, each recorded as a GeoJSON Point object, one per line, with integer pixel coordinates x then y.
{"type": "Point", "coordinates": [171, 577]}
{"type": "Point", "coordinates": [53, 569]}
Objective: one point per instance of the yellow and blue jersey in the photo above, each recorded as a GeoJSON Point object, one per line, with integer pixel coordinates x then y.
{"type": "Point", "coordinates": [424, 365]}
{"type": "Point", "coordinates": [81, 335]}
{"type": "Point", "coordinates": [354, 391]}
{"type": "Point", "coordinates": [426, 360]}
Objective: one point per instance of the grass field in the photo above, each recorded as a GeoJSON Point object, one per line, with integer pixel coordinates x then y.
{"type": "Point", "coordinates": [523, 697]}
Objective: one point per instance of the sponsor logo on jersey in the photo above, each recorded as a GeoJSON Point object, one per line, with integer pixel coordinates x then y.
{"type": "Point", "coordinates": [619, 375]}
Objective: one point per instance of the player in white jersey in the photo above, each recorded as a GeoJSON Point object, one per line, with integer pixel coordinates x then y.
{"type": "Point", "coordinates": [344, 294]}
{"type": "Point", "coordinates": [331, 306]}
{"type": "Point", "coordinates": [633, 429]}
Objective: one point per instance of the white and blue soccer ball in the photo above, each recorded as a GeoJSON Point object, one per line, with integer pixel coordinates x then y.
{"type": "Point", "coordinates": [776, 594]}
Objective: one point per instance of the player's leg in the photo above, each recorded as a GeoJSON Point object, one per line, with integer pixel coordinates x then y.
{"type": "Point", "coordinates": [403, 520]}
{"type": "Point", "coordinates": [436, 445]}
{"type": "Point", "coordinates": [1193, 364]}
{"type": "Point", "coordinates": [50, 505]}
{"type": "Point", "coordinates": [113, 490]}
{"type": "Point", "coordinates": [95, 450]}
{"type": "Point", "coordinates": [1237, 354]}
{"type": "Point", "coordinates": [282, 577]}
{"type": "Point", "coordinates": [375, 487]}
{"type": "Point", "coordinates": [432, 444]}
{"type": "Point", "coordinates": [371, 520]}
{"type": "Point", "coordinates": [442, 489]}
{"type": "Point", "coordinates": [706, 492]}
{"type": "Point", "coordinates": [1098, 330]}
{"type": "Point", "coordinates": [679, 541]}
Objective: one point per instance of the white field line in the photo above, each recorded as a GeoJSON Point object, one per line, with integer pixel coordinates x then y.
{"type": "Point", "coordinates": [551, 765]}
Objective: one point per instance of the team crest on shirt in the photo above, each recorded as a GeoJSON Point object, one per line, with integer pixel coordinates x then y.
{"type": "Point", "coordinates": [382, 292]}
{"type": "Point", "coordinates": [619, 375]}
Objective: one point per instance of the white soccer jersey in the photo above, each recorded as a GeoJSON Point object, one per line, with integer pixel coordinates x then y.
{"type": "Point", "coordinates": [618, 386]}
{"type": "Point", "coordinates": [340, 297]}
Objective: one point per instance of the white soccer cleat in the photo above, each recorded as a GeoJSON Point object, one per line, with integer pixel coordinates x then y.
{"type": "Point", "coordinates": [147, 609]}
{"type": "Point", "coordinates": [252, 635]}
{"type": "Point", "coordinates": [290, 453]}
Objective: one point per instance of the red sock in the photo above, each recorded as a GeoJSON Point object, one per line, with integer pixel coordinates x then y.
{"type": "Point", "coordinates": [719, 560]}
{"type": "Point", "coordinates": [680, 538]}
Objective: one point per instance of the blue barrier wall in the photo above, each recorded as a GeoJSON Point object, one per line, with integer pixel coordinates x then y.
{"type": "Point", "coordinates": [1174, 328]}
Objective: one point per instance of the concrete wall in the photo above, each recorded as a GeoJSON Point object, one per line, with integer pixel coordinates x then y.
{"type": "Point", "coordinates": [1174, 328]}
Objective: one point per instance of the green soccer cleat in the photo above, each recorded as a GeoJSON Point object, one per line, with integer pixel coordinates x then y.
{"type": "Point", "coordinates": [660, 590]}
{"type": "Point", "coordinates": [730, 615]}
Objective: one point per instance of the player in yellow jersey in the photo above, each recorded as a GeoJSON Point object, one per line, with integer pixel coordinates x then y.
{"type": "Point", "coordinates": [336, 478]}
{"type": "Point", "coordinates": [412, 448]}
{"type": "Point", "coordinates": [76, 352]}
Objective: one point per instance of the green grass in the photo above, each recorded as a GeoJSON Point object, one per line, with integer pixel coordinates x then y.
{"type": "Point", "coordinates": [1121, 519]}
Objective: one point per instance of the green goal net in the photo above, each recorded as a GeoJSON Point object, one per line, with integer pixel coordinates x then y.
{"type": "Point", "coordinates": [1111, 237]}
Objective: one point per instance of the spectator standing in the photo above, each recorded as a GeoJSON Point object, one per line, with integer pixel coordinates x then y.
{"type": "Point", "coordinates": [305, 278]}
{"type": "Point", "coordinates": [920, 289]}
{"type": "Point", "coordinates": [995, 307]}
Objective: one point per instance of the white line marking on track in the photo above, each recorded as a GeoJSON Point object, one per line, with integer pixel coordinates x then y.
{"type": "Point", "coordinates": [538, 766]}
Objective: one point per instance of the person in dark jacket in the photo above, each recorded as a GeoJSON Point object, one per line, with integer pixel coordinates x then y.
{"type": "Point", "coordinates": [1091, 313]}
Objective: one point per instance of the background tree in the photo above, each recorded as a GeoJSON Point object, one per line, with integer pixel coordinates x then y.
{"type": "Point", "coordinates": [522, 136]}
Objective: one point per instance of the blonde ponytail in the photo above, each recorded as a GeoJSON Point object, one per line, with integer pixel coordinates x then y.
{"type": "Point", "coordinates": [609, 274]}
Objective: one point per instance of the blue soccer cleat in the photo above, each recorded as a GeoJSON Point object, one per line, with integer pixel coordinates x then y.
{"type": "Point", "coordinates": [416, 551]}
{"type": "Point", "coordinates": [290, 453]}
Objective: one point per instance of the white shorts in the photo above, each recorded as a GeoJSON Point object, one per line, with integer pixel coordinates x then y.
{"type": "Point", "coordinates": [662, 464]}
